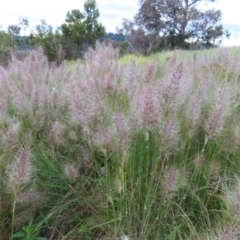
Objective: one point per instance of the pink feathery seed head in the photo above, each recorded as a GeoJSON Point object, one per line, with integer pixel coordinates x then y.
{"type": "Point", "coordinates": [198, 162]}
{"type": "Point", "coordinates": [33, 56]}
{"type": "Point", "coordinates": [238, 198]}
{"type": "Point", "coordinates": [89, 70]}
{"type": "Point", "coordinates": [58, 128]}
{"type": "Point", "coordinates": [73, 136]}
{"type": "Point", "coordinates": [71, 171]}
{"type": "Point", "coordinates": [146, 108]}
{"type": "Point", "coordinates": [2, 75]}
{"type": "Point", "coordinates": [42, 94]}
{"type": "Point", "coordinates": [222, 96]}
{"type": "Point", "coordinates": [96, 106]}
{"type": "Point", "coordinates": [20, 101]}
{"type": "Point", "coordinates": [21, 170]}
{"type": "Point", "coordinates": [150, 72]}
{"type": "Point", "coordinates": [28, 82]}
{"type": "Point", "coordinates": [65, 76]}
{"type": "Point", "coordinates": [101, 62]}
{"type": "Point", "coordinates": [170, 181]}
{"type": "Point", "coordinates": [201, 92]}
{"type": "Point", "coordinates": [150, 110]}
{"type": "Point", "coordinates": [11, 138]}
{"type": "Point", "coordinates": [82, 87]}
{"type": "Point", "coordinates": [28, 196]}
{"type": "Point", "coordinates": [233, 200]}
{"type": "Point", "coordinates": [79, 110]}
{"type": "Point", "coordinates": [39, 118]}
{"type": "Point", "coordinates": [214, 125]}
{"type": "Point", "coordinates": [183, 177]}
{"type": "Point", "coordinates": [116, 69]}
{"type": "Point", "coordinates": [2, 106]}
{"type": "Point", "coordinates": [214, 170]}
{"type": "Point", "coordinates": [194, 114]}
{"type": "Point", "coordinates": [103, 139]}
{"type": "Point", "coordinates": [160, 90]}
{"type": "Point", "coordinates": [169, 134]}
{"type": "Point", "coordinates": [236, 144]}
{"type": "Point", "coordinates": [108, 84]}
{"type": "Point", "coordinates": [122, 131]}
{"type": "Point", "coordinates": [130, 76]}
{"type": "Point", "coordinates": [229, 233]}
{"type": "Point", "coordinates": [174, 84]}
{"type": "Point", "coordinates": [35, 96]}
{"type": "Point", "coordinates": [4, 79]}
{"type": "Point", "coordinates": [119, 123]}
{"type": "Point", "coordinates": [195, 108]}
{"type": "Point", "coordinates": [57, 133]}
{"type": "Point", "coordinates": [18, 71]}
{"type": "Point", "coordinates": [55, 97]}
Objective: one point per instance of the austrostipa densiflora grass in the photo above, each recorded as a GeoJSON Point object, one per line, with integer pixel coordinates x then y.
{"type": "Point", "coordinates": [109, 148]}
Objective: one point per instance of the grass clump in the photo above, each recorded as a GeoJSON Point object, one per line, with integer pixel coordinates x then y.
{"type": "Point", "coordinates": [120, 149]}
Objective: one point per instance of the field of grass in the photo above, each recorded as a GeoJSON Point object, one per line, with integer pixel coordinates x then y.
{"type": "Point", "coordinates": [137, 148]}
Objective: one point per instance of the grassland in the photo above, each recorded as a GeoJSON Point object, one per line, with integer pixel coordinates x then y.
{"type": "Point", "coordinates": [133, 148]}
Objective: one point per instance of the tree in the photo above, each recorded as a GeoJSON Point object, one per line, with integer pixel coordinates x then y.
{"type": "Point", "coordinates": [138, 40]}
{"type": "Point", "coordinates": [49, 40]}
{"type": "Point", "coordinates": [15, 32]}
{"type": "Point", "coordinates": [179, 21]}
{"type": "Point", "coordinates": [81, 30]}
{"type": "Point", "coordinates": [11, 41]}
{"type": "Point", "coordinates": [5, 47]}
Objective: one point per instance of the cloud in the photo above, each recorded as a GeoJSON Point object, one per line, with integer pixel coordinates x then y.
{"type": "Point", "coordinates": [111, 12]}
{"type": "Point", "coordinates": [54, 12]}
{"type": "Point", "coordinates": [234, 39]}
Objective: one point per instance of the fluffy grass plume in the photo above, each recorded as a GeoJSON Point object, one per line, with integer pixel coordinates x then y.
{"type": "Point", "coordinates": [130, 148]}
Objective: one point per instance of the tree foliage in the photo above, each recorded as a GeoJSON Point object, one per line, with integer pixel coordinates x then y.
{"type": "Point", "coordinates": [174, 23]}
{"type": "Point", "coordinates": [11, 41]}
{"type": "Point", "coordinates": [81, 30]}
{"type": "Point", "coordinates": [5, 47]}
{"type": "Point", "coordinates": [137, 39]}
{"type": "Point", "coordinates": [15, 32]}
{"type": "Point", "coordinates": [49, 40]}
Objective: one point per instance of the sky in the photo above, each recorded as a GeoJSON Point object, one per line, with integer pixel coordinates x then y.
{"type": "Point", "coordinates": [111, 13]}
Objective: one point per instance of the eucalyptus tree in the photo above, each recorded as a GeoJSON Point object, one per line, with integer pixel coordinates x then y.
{"type": "Point", "coordinates": [181, 20]}
{"type": "Point", "coordinates": [174, 24]}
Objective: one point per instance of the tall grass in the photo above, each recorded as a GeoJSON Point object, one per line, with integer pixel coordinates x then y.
{"type": "Point", "coordinates": [115, 148]}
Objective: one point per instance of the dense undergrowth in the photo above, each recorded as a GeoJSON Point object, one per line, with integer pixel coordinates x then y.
{"type": "Point", "coordinates": [131, 148]}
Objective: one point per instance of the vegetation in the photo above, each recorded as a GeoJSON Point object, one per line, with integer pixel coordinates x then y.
{"type": "Point", "coordinates": [158, 25]}
{"type": "Point", "coordinates": [81, 30]}
{"type": "Point", "coordinates": [131, 148]}
{"type": "Point", "coordinates": [105, 147]}
{"type": "Point", "coordinates": [69, 41]}
{"type": "Point", "coordinates": [5, 47]}
{"type": "Point", "coordinates": [161, 24]}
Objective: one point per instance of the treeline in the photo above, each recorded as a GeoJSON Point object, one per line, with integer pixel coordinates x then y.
{"type": "Point", "coordinates": [69, 41]}
{"type": "Point", "coordinates": [79, 31]}
{"type": "Point", "coordinates": [167, 24]}
{"type": "Point", "coordinates": [158, 25]}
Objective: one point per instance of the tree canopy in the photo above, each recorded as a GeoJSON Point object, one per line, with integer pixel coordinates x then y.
{"type": "Point", "coordinates": [81, 30]}
{"type": "Point", "coordinates": [174, 23]}
{"type": "Point", "coordinates": [158, 24]}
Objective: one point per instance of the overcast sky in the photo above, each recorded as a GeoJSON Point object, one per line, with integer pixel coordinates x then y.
{"type": "Point", "coordinates": [111, 13]}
